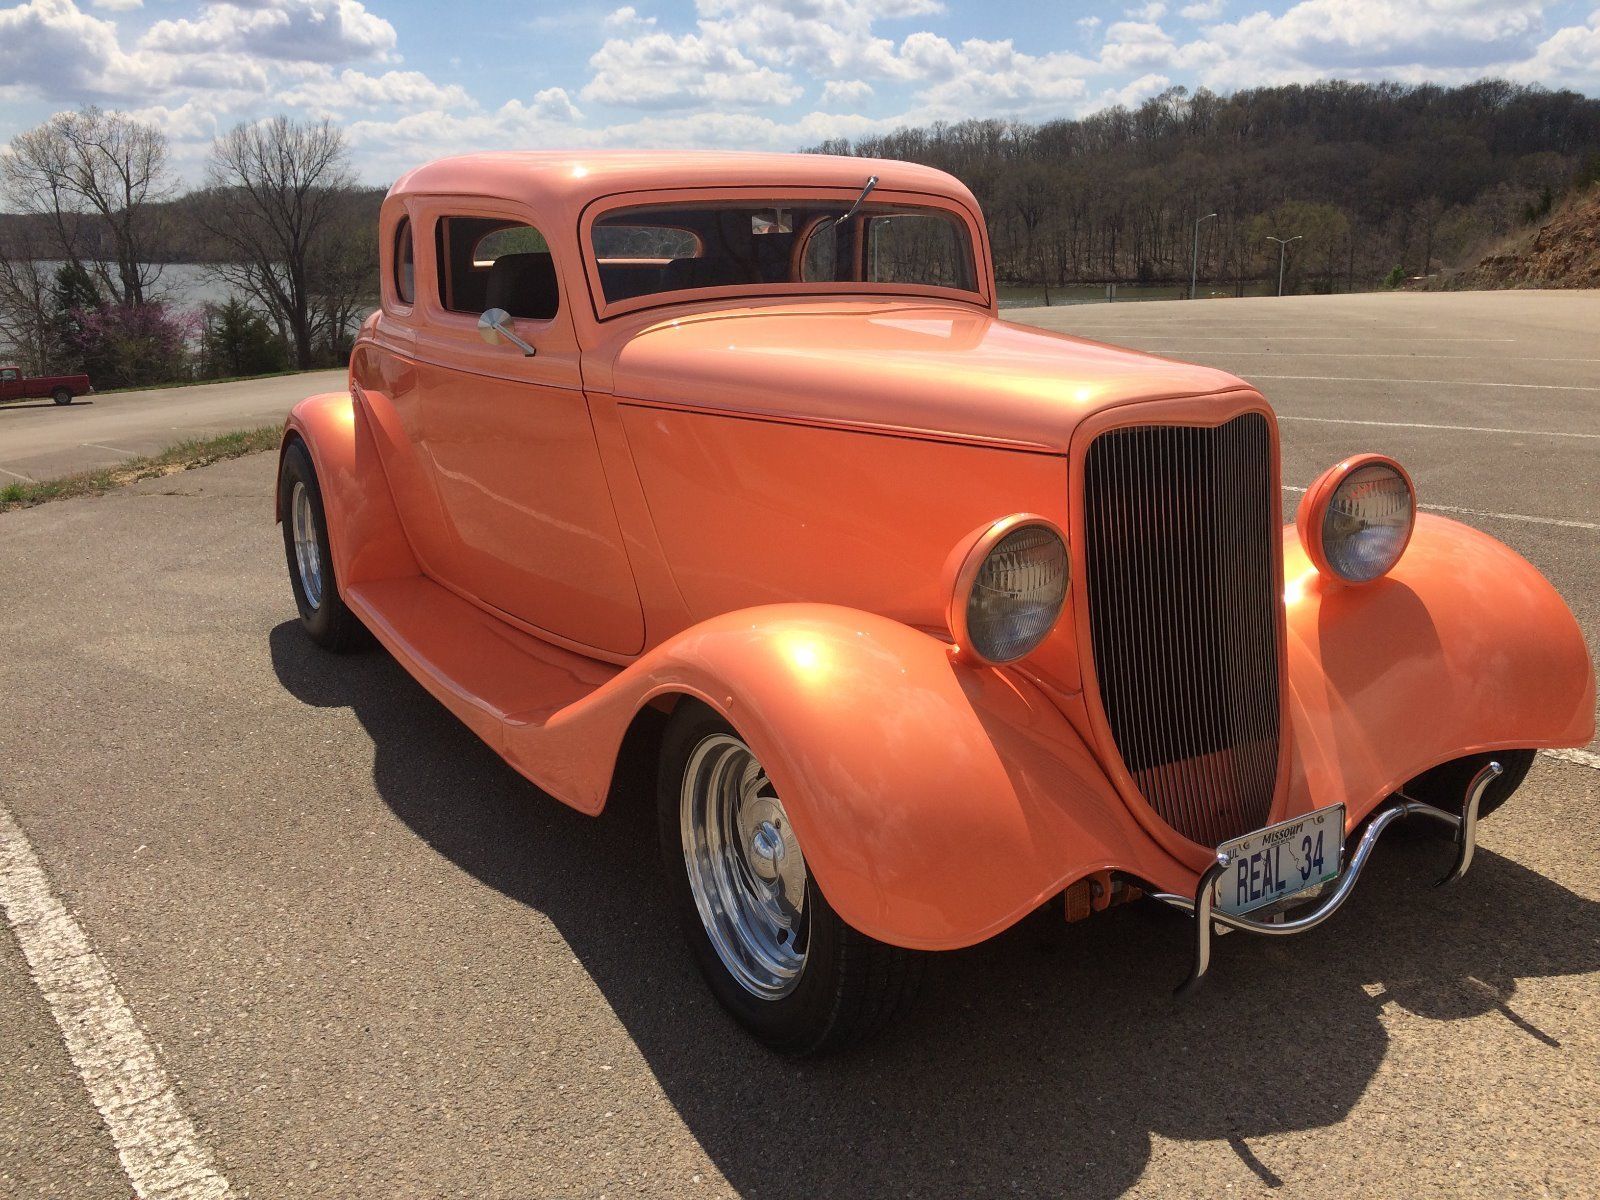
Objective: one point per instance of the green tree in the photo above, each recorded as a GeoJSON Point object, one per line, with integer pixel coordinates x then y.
{"type": "Point", "coordinates": [236, 340]}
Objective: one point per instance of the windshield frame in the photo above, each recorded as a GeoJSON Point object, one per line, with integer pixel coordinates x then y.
{"type": "Point", "coordinates": [780, 195]}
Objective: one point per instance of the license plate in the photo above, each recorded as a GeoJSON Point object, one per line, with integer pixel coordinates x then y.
{"type": "Point", "coordinates": [1280, 861]}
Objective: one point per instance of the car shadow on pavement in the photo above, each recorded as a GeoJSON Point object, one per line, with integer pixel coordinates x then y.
{"type": "Point", "coordinates": [1038, 1063]}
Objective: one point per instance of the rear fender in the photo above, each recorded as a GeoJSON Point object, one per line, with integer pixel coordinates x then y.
{"type": "Point", "coordinates": [1462, 648]}
{"type": "Point", "coordinates": [937, 802]}
{"type": "Point", "coordinates": [364, 531]}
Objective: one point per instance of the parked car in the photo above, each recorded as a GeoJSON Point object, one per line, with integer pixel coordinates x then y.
{"type": "Point", "coordinates": [15, 385]}
{"type": "Point", "coordinates": [949, 618]}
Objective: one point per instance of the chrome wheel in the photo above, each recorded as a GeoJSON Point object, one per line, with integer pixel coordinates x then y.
{"type": "Point", "coordinates": [745, 868]}
{"type": "Point", "coordinates": [307, 552]}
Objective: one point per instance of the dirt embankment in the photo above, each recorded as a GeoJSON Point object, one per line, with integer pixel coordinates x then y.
{"type": "Point", "coordinates": [1564, 253]}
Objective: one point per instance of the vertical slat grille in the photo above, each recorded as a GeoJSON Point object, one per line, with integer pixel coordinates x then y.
{"type": "Point", "coordinates": [1183, 613]}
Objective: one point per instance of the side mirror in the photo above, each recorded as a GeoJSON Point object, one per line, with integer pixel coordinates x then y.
{"type": "Point", "coordinates": [496, 324]}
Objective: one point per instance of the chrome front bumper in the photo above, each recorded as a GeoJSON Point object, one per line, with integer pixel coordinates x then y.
{"type": "Point", "coordinates": [1391, 810]}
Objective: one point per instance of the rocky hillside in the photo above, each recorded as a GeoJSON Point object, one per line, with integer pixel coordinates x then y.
{"type": "Point", "coordinates": [1563, 253]}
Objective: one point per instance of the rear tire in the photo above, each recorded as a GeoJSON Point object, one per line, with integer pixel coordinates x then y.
{"type": "Point", "coordinates": [62, 396]}
{"type": "Point", "coordinates": [818, 984]}
{"type": "Point", "coordinates": [1445, 786]}
{"type": "Point", "coordinates": [323, 612]}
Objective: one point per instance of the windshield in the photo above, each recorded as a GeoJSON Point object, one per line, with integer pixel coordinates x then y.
{"type": "Point", "coordinates": [666, 248]}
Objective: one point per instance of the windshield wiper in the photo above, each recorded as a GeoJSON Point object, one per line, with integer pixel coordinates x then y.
{"type": "Point", "coordinates": [860, 200]}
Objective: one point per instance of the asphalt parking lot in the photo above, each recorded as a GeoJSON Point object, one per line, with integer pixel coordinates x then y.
{"type": "Point", "coordinates": [372, 961]}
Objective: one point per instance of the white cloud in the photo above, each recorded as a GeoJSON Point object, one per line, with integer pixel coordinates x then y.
{"type": "Point", "coordinates": [327, 31]}
{"type": "Point", "coordinates": [1133, 94]}
{"type": "Point", "coordinates": [56, 50]}
{"type": "Point", "coordinates": [627, 20]}
{"type": "Point", "coordinates": [1088, 24]}
{"type": "Point", "coordinates": [1134, 44]}
{"type": "Point", "coordinates": [659, 70]}
{"type": "Point", "coordinates": [1570, 57]}
{"type": "Point", "coordinates": [118, 5]}
{"type": "Point", "coordinates": [553, 104]}
{"type": "Point", "coordinates": [1152, 11]}
{"type": "Point", "coordinates": [845, 91]}
{"type": "Point", "coordinates": [979, 77]}
{"type": "Point", "coordinates": [1369, 39]}
{"type": "Point", "coordinates": [1206, 10]}
{"type": "Point", "coordinates": [328, 94]}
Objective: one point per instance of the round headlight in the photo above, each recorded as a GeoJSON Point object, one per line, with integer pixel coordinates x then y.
{"type": "Point", "coordinates": [1010, 589]}
{"type": "Point", "coordinates": [1356, 519]}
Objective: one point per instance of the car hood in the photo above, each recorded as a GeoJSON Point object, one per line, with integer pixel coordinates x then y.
{"type": "Point", "coordinates": [936, 370]}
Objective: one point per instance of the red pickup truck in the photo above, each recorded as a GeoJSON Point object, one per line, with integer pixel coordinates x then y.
{"type": "Point", "coordinates": [14, 385]}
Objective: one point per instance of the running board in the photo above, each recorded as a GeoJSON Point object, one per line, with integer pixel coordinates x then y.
{"type": "Point", "coordinates": [482, 669]}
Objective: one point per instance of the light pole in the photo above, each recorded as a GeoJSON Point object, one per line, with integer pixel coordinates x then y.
{"type": "Point", "coordinates": [1283, 244]}
{"type": "Point", "coordinates": [1194, 259]}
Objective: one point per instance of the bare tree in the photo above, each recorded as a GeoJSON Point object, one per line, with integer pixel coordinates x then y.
{"type": "Point", "coordinates": [28, 333]}
{"type": "Point", "coordinates": [277, 193]}
{"type": "Point", "coordinates": [97, 177]}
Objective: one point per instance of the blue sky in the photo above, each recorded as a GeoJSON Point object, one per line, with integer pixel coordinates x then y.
{"type": "Point", "coordinates": [413, 80]}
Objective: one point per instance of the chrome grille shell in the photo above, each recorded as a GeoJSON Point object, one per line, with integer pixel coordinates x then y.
{"type": "Point", "coordinates": [1180, 559]}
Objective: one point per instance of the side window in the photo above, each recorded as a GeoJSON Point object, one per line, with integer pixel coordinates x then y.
{"type": "Point", "coordinates": [489, 262]}
{"type": "Point", "coordinates": [9, 375]}
{"type": "Point", "coordinates": [405, 264]}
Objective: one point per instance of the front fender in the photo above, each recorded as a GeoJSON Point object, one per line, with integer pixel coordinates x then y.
{"type": "Point", "coordinates": [1462, 648]}
{"type": "Point", "coordinates": [937, 803]}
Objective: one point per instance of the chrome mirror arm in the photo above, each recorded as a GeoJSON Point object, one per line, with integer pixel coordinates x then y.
{"type": "Point", "coordinates": [495, 324]}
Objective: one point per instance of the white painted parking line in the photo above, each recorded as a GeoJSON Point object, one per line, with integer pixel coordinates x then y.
{"type": "Point", "coordinates": [1168, 330]}
{"type": "Point", "coordinates": [16, 475]}
{"type": "Point", "coordinates": [103, 446]}
{"type": "Point", "coordinates": [161, 1152]}
{"type": "Point", "coordinates": [1582, 757]}
{"type": "Point", "coordinates": [1450, 428]}
{"type": "Point", "coordinates": [1544, 387]}
{"type": "Point", "coordinates": [1494, 358]}
{"type": "Point", "coordinates": [1483, 512]}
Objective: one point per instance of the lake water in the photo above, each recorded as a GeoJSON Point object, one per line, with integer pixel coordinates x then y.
{"type": "Point", "coordinates": [186, 286]}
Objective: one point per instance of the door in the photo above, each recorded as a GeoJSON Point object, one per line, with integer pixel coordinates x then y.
{"type": "Point", "coordinates": [507, 438]}
{"type": "Point", "coordinates": [10, 383]}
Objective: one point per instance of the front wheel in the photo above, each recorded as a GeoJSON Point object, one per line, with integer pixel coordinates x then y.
{"type": "Point", "coordinates": [62, 396]}
{"type": "Point", "coordinates": [323, 612]}
{"type": "Point", "coordinates": [773, 951]}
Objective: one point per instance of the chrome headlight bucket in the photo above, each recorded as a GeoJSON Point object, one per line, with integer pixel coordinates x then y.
{"type": "Point", "coordinates": [1009, 589]}
{"type": "Point", "coordinates": [1355, 521]}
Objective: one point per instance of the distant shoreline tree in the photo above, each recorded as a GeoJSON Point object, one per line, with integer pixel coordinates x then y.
{"type": "Point", "coordinates": [279, 198]}
{"type": "Point", "coordinates": [1413, 175]}
{"type": "Point", "coordinates": [97, 179]}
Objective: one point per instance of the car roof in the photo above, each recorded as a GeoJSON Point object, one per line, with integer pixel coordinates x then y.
{"type": "Point", "coordinates": [570, 178]}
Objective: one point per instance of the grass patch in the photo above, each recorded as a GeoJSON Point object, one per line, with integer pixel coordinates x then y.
{"type": "Point", "coordinates": [196, 452]}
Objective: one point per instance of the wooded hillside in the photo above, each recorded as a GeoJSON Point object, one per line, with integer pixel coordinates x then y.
{"type": "Point", "coordinates": [1378, 180]}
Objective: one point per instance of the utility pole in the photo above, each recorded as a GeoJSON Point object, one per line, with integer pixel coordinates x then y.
{"type": "Point", "coordinates": [1194, 260]}
{"type": "Point", "coordinates": [1283, 244]}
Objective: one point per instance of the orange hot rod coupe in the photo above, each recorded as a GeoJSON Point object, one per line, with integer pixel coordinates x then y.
{"type": "Point", "coordinates": [951, 618]}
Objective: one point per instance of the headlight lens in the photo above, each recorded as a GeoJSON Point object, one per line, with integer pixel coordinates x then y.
{"type": "Point", "coordinates": [1366, 519]}
{"type": "Point", "coordinates": [1016, 593]}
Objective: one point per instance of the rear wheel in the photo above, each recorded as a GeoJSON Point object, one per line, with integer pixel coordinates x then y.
{"type": "Point", "coordinates": [773, 951]}
{"type": "Point", "coordinates": [1445, 786]}
{"type": "Point", "coordinates": [323, 613]}
{"type": "Point", "coordinates": [62, 396]}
